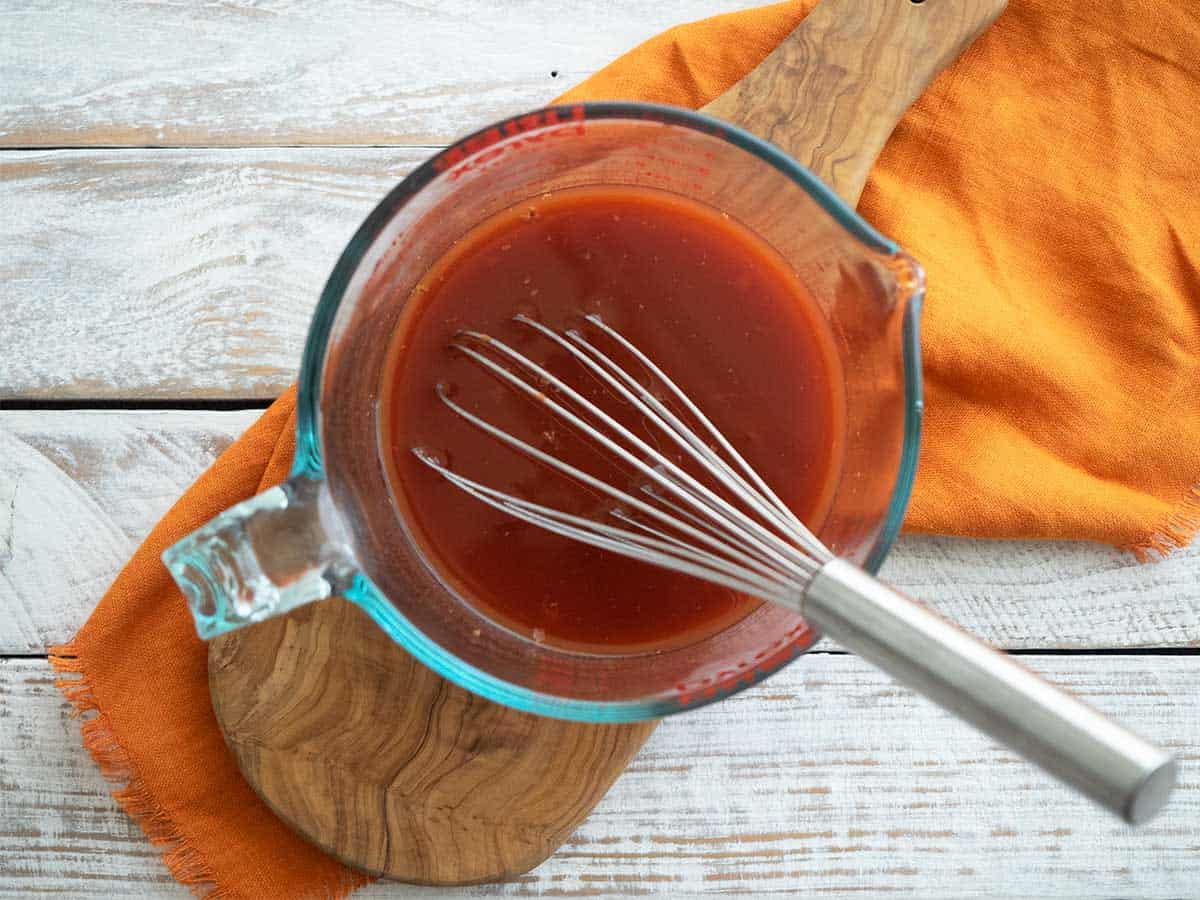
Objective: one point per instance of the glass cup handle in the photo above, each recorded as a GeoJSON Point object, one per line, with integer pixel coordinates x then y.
{"type": "Point", "coordinates": [262, 558]}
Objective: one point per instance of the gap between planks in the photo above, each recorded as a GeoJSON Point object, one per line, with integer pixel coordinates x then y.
{"type": "Point", "coordinates": [349, 72]}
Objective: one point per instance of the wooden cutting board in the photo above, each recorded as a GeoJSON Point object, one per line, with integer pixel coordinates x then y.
{"type": "Point", "coordinates": [396, 771]}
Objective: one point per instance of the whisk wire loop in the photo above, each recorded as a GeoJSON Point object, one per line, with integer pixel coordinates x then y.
{"type": "Point", "coordinates": [769, 545]}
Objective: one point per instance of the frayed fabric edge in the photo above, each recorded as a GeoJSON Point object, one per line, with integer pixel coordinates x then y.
{"type": "Point", "coordinates": [101, 742]}
{"type": "Point", "coordinates": [1175, 532]}
{"type": "Point", "coordinates": [134, 798]}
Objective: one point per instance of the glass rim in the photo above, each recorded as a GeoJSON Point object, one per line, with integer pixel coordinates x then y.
{"type": "Point", "coordinates": [308, 461]}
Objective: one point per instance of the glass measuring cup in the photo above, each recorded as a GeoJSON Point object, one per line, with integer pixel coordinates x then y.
{"type": "Point", "coordinates": [332, 528]}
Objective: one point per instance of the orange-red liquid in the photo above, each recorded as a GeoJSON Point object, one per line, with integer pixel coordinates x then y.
{"type": "Point", "coordinates": [717, 308]}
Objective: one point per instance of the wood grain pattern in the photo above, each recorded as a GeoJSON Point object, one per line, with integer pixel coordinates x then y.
{"type": "Point", "coordinates": [276, 72]}
{"type": "Point", "coordinates": [173, 274]}
{"type": "Point", "coordinates": [833, 91]}
{"type": "Point", "coordinates": [828, 778]}
{"type": "Point", "coordinates": [79, 490]}
{"type": "Point", "coordinates": [388, 766]}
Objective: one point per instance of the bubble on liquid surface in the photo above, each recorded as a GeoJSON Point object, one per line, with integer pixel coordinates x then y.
{"type": "Point", "coordinates": [539, 635]}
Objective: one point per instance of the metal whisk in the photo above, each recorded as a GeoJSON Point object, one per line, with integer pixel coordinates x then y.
{"type": "Point", "coordinates": [736, 532]}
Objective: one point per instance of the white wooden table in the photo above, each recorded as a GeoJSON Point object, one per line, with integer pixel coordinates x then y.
{"type": "Point", "coordinates": [176, 180]}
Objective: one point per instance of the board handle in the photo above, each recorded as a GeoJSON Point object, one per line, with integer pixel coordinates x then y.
{"type": "Point", "coordinates": [832, 92]}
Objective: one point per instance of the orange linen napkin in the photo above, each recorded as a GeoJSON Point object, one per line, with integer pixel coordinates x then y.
{"type": "Point", "coordinates": [1046, 181]}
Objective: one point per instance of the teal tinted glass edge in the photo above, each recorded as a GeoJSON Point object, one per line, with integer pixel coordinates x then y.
{"type": "Point", "coordinates": [914, 411]}
{"type": "Point", "coordinates": [308, 461]}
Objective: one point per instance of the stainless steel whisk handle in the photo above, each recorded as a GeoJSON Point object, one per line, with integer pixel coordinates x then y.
{"type": "Point", "coordinates": [1067, 738]}
{"type": "Point", "coordinates": [746, 539]}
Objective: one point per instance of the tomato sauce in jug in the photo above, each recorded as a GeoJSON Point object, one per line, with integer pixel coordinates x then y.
{"type": "Point", "coordinates": [715, 306]}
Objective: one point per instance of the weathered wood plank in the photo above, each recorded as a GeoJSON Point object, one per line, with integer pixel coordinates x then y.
{"type": "Point", "coordinates": [172, 274]}
{"type": "Point", "coordinates": [828, 778]}
{"type": "Point", "coordinates": [277, 73]}
{"type": "Point", "coordinates": [78, 491]}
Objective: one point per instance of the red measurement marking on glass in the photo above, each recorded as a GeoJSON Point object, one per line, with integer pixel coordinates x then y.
{"type": "Point", "coordinates": [794, 641]}
{"type": "Point", "coordinates": [511, 135]}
